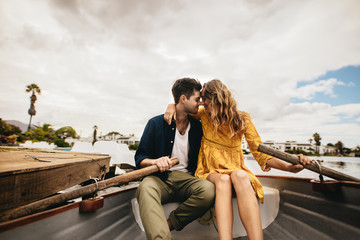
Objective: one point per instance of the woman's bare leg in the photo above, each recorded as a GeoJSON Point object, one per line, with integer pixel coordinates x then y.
{"type": "Point", "coordinates": [248, 206]}
{"type": "Point", "coordinates": [223, 204]}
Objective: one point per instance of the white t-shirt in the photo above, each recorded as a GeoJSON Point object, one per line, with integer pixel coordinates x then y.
{"type": "Point", "coordinates": [181, 150]}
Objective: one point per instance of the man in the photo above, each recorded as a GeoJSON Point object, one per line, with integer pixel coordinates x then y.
{"type": "Point", "coordinates": [158, 144]}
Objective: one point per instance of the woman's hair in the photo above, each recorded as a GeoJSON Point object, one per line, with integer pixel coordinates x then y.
{"type": "Point", "coordinates": [224, 110]}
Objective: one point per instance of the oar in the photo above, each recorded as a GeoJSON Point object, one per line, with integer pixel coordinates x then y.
{"type": "Point", "coordinates": [314, 166]}
{"type": "Point", "coordinates": [86, 190]}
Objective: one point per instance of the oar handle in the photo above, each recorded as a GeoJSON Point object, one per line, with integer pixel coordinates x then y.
{"type": "Point", "coordinates": [313, 166]}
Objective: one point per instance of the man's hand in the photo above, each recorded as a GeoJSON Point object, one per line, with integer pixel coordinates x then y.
{"type": "Point", "coordinates": [163, 163]}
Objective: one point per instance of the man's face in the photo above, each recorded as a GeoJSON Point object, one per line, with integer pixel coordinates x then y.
{"type": "Point", "coordinates": [192, 104]}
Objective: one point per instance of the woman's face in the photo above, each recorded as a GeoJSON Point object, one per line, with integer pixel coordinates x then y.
{"type": "Point", "coordinates": [205, 102]}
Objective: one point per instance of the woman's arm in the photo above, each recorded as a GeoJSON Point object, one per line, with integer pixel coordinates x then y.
{"type": "Point", "coordinates": [281, 165]}
{"type": "Point", "coordinates": [170, 112]}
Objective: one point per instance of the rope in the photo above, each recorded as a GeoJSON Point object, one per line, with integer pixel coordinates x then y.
{"type": "Point", "coordinates": [37, 159]}
{"type": "Point", "coordinates": [97, 186]}
{"type": "Point", "coordinates": [320, 170]}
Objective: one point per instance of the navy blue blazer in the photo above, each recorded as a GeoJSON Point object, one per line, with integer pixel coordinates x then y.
{"type": "Point", "coordinates": [158, 141]}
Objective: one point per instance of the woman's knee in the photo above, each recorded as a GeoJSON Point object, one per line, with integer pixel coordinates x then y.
{"type": "Point", "coordinates": [240, 176]}
{"type": "Point", "coordinates": [223, 182]}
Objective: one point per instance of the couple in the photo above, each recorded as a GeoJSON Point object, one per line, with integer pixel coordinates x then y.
{"type": "Point", "coordinates": [211, 150]}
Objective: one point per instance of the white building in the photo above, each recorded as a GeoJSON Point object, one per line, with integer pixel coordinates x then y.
{"type": "Point", "coordinates": [290, 145]}
{"type": "Point", "coordinates": [326, 150]}
{"type": "Point", "coordinates": [307, 147]}
{"type": "Point", "coordinates": [121, 139]}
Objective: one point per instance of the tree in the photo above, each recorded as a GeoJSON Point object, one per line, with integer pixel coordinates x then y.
{"type": "Point", "coordinates": [115, 133]}
{"type": "Point", "coordinates": [8, 129]}
{"type": "Point", "coordinates": [32, 88]}
{"type": "Point", "coordinates": [66, 132]}
{"type": "Point", "coordinates": [42, 133]}
{"type": "Point", "coordinates": [8, 132]}
{"type": "Point", "coordinates": [339, 147]}
{"type": "Point", "coordinates": [94, 134]}
{"type": "Point", "coordinates": [317, 139]}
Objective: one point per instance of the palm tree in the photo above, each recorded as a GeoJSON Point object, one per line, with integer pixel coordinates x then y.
{"type": "Point", "coordinates": [32, 88]}
{"type": "Point", "coordinates": [94, 134]}
{"type": "Point", "coordinates": [339, 147]}
{"type": "Point", "coordinates": [317, 139]}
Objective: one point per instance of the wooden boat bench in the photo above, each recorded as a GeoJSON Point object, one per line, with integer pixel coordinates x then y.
{"type": "Point", "coordinates": [268, 211]}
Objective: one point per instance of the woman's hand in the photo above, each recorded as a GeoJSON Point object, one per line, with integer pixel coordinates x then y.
{"type": "Point", "coordinates": [304, 159]}
{"type": "Point", "coordinates": [170, 112]}
{"type": "Point", "coordinates": [298, 167]}
{"type": "Point", "coordinates": [282, 165]}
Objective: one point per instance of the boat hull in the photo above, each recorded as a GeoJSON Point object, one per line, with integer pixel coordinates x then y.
{"type": "Point", "coordinates": [304, 213]}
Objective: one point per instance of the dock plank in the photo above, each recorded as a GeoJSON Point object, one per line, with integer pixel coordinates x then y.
{"type": "Point", "coordinates": [28, 175]}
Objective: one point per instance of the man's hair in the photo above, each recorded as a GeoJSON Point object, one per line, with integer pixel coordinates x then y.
{"type": "Point", "coordinates": [184, 86]}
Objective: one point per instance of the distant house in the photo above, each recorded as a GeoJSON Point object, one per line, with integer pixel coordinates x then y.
{"type": "Point", "coordinates": [128, 140]}
{"type": "Point", "coordinates": [327, 150]}
{"type": "Point", "coordinates": [355, 154]}
{"type": "Point", "coordinates": [121, 139]}
{"type": "Point", "coordinates": [111, 137]}
{"type": "Point", "coordinates": [273, 144]}
{"type": "Point", "coordinates": [293, 145]}
{"type": "Point", "coordinates": [290, 145]}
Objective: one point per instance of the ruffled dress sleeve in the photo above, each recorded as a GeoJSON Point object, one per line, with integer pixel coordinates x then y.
{"type": "Point", "coordinates": [253, 139]}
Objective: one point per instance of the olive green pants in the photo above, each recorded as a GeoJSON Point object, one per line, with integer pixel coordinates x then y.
{"type": "Point", "coordinates": [196, 196]}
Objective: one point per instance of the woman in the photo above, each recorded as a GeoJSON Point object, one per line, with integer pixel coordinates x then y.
{"type": "Point", "coordinates": [221, 159]}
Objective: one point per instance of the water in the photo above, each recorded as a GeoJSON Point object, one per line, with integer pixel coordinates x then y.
{"type": "Point", "coordinates": [346, 165]}
{"type": "Point", "coordinates": [63, 149]}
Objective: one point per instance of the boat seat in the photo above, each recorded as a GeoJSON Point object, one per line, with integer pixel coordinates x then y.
{"type": "Point", "coordinates": [203, 228]}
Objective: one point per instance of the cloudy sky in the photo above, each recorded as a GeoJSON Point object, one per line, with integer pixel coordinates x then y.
{"type": "Point", "coordinates": [294, 65]}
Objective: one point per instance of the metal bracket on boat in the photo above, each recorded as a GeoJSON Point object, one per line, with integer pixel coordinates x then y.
{"type": "Point", "coordinates": [320, 170]}
{"type": "Point", "coordinates": [94, 203]}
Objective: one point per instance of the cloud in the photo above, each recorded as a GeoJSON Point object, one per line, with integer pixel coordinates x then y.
{"type": "Point", "coordinates": [304, 119]}
{"type": "Point", "coordinates": [309, 91]}
{"type": "Point", "coordinates": [112, 63]}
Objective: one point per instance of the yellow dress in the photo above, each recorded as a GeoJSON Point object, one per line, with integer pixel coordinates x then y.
{"type": "Point", "coordinates": [218, 153]}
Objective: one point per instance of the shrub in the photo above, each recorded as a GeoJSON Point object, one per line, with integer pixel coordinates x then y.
{"type": "Point", "coordinates": [134, 146]}
{"type": "Point", "coordinates": [61, 143]}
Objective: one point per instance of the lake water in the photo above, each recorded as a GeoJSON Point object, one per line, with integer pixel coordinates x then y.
{"type": "Point", "coordinates": [347, 165]}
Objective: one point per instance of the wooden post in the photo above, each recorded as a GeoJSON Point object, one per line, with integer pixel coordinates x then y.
{"type": "Point", "coordinates": [86, 190]}
{"type": "Point", "coordinates": [313, 166]}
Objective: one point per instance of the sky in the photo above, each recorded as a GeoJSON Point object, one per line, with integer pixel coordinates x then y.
{"type": "Point", "coordinates": [293, 65]}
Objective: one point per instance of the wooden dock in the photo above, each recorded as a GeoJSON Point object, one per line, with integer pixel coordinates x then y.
{"type": "Point", "coordinates": [27, 175]}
